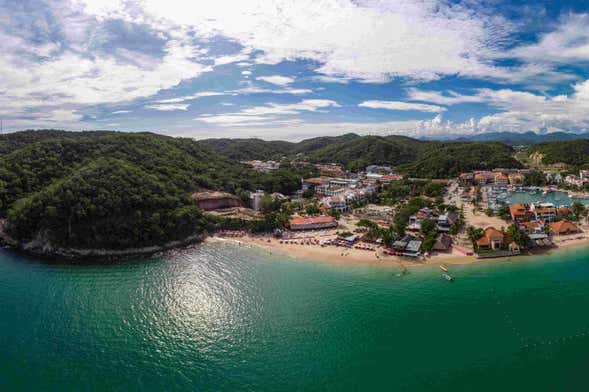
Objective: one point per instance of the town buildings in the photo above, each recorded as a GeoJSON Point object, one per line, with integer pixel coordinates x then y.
{"type": "Point", "coordinates": [263, 166]}
{"type": "Point", "coordinates": [312, 223]}
{"type": "Point", "coordinates": [492, 239]}
{"type": "Point", "coordinates": [521, 213]}
{"type": "Point", "coordinates": [376, 169]}
{"type": "Point", "coordinates": [564, 227]}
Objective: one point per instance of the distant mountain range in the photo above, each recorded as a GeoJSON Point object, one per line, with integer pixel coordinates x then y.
{"type": "Point", "coordinates": [514, 138]}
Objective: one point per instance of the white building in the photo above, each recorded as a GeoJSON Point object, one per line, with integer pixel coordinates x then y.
{"type": "Point", "coordinates": [256, 199]}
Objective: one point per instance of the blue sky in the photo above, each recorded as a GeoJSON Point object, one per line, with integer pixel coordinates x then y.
{"type": "Point", "coordinates": [292, 69]}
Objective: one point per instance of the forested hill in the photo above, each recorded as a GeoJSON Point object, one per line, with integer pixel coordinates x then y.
{"type": "Point", "coordinates": [573, 152]}
{"type": "Point", "coordinates": [442, 160]}
{"type": "Point", "coordinates": [250, 149]}
{"type": "Point", "coordinates": [415, 157]}
{"type": "Point", "coordinates": [114, 190]}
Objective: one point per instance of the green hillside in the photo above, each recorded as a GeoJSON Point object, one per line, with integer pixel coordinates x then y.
{"type": "Point", "coordinates": [257, 149]}
{"type": "Point", "coordinates": [357, 153]}
{"type": "Point", "coordinates": [440, 160]}
{"type": "Point", "coordinates": [572, 152]}
{"type": "Point", "coordinates": [429, 159]}
{"type": "Point", "coordinates": [144, 179]}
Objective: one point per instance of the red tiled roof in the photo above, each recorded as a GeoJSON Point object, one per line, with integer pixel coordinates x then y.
{"type": "Point", "coordinates": [300, 220]}
{"type": "Point", "coordinates": [564, 226]}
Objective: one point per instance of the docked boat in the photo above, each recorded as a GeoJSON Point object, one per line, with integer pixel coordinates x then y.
{"type": "Point", "coordinates": [447, 277]}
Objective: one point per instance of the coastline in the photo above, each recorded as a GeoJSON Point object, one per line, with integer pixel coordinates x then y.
{"type": "Point", "coordinates": [350, 256]}
{"type": "Point", "coordinates": [49, 252]}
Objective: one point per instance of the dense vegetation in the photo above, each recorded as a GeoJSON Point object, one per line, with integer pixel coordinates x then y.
{"type": "Point", "coordinates": [424, 159]}
{"type": "Point", "coordinates": [441, 160]}
{"type": "Point", "coordinates": [59, 185]}
{"type": "Point", "coordinates": [400, 190]}
{"type": "Point", "coordinates": [358, 153]}
{"type": "Point", "coordinates": [573, 152]}
{"type": "Point", "coordinates": [257, 149]}
{"type": "Point", "coordinates": [108, 203]}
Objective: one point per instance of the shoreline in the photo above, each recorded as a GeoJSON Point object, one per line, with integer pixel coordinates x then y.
{"type": "Point", "coordinates": [356, 257]}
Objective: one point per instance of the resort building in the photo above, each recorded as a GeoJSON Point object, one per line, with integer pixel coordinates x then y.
{"type": "Point", "coordinates": [480, 179]}
{"type": "Point", "coordinates": [263, 166]}
{"type": "Point", "coordinates": [554, 178]}
{"type": "Point", "coordinates": [256, 199]}
{"type": "Point", "coordinates": [332, 170]}
{"type": "Point", "coordinates": [466, 179]}
{"type": "Point", "coordinates": [337, 203]}
{"type": "Point", "coordinates": [379, 169]}
{"type": "Point", "coordinates": [413, 248]}
{"type": "Point", "coordinates": [516, 178]}
{"type": "Point", "coordinates": [443, 243]}
{"type": "Point", "coordinates": [309, 183]}
{"type": "Point", "coordinates": [564, 227]}
{"type": "Point", "coordinates": [491, 239]}
{"type": "Point", "coordinates": [388, 178]}
{"type": "Point", "coordinates": [415, 220]}
{"type": "Point", "coordinates": [445, 221]}
{"type": "Point", "coordinates": [521, 213]}
{"type": "Point", "coordinates": [501, 179]}
{"type": "Point", "coordinates": [312, 223]}
{"type": "Point", "coordinates": [571, 179]}
{"type": "Point", "coordinates": [544, 211]}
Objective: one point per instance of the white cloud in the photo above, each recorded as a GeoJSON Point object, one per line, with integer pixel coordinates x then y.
{"type": "Point", "coordinates": [569, 42]}
{"type": "Point", "coordinates": [368, 40]}
{"type": "Point", "coordinates": [192, 97]}
{"type": "Point", "coordinates": [268, 114]}
{"type": "Point", "coordinates": [519, 111]}
{"type": "Point", "coordinates": [447, 98]}
{"type": "Point", "coordinates": [71, 78]}
{"type": "Point", "coordinates": [277, 80]}
{"type": "Point", "coordinates": [397, 105]}
{"type": "Point", "coordinates": [168, 107]}
{"type": "Point", "coordinates": [223, 60]}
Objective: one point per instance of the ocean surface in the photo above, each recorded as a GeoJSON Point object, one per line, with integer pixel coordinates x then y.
{"type": "Point", "coordinates": [221, 317]}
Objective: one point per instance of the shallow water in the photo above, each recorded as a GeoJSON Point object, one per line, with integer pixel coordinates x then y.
{"type": "Point", "coordinates": [558, 198]}
{"type": "Point", "coordinates": [224, 317]}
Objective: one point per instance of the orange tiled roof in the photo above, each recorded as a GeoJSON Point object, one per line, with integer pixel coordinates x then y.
{"type": "Point", "coordinates": [563, 226]}
{"type": "Point", "coordinates": [300, 220]}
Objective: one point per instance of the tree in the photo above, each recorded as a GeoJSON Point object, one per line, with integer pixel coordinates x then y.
{"type": "Point", "coordinates": [334, 213]}
{"type": "Point", "coordinates": [428, 226]}
{"type": "Point", "coordinates": [578, 209]}
{"type": "Point", "coordinates": [429, 241]}
{"type": "Point", "coordinates": [312, 209]}
{"type": "Point", "coordinates": [309, 193]}
{"type": "Point", "coordinates": [503, 212]}
{"type": "Point", "coordinates": [535, 178]}
{"type": "Point", "coordinates": [474, 234]}
{"type": "Point", "coordinates": [517, 235]}
{"type": "Point", "coordinates": [388, 237]}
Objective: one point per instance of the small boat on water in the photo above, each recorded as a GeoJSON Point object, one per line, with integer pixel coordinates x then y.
{"type": "Point", "coordinates": [447, 277]}
{"type": "Point", "coordinates": [443, 268]}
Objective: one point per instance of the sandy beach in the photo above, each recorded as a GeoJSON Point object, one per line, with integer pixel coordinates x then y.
{"type": "Point", "coordinates": [346, 256]}
{"type": "Point", "coordinates": [350, 256]}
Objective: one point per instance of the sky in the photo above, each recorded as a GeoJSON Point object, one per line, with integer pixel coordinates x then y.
{"type": "Point", "coordinates": [294, 69]}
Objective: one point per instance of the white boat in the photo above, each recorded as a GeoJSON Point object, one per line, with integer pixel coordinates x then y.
{"type": "Point", "coordinates": [447, 277]}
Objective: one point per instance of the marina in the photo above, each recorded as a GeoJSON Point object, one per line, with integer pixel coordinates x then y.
{"type": "Point", "coordinates": [530, 195]}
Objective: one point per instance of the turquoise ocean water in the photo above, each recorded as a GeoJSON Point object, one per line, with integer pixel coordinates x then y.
{"type": "Point", "coordinates": [224, 318]}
